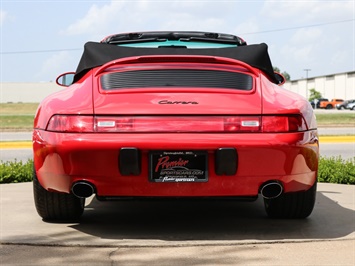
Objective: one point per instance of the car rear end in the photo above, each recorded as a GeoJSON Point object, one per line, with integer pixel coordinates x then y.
{"type": "Point", "coordinates": [149, 140]}
{"type": "Point", "coordinates": [181, 126]}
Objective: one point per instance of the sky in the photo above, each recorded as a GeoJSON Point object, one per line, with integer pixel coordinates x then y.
{"type": "Point", "coordinates": [41, 39]}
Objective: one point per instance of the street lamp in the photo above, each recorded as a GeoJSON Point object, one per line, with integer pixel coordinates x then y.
{"type": "Point", "coordinates": [307, 70]}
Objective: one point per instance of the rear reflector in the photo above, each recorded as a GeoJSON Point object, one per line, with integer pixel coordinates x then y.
{"type": "Point", "coordinates": [171, 124]}
{"type": "Point", "coordinates": [178, 124]}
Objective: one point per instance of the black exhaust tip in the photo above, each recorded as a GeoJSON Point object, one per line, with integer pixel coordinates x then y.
{"type": "Point", "coordinates": [83, 189]}
{"type": "Point", "coordinates": [271, 190]}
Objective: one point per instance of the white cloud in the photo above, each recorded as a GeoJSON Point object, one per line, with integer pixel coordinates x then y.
{"type": "Point", "coordinates": [3, 17]}
{"type": "Point", "coordinates": [306, 36]}
{"type": "Point", "coordinates": [55, 65]}
{"type": "Point", "coordinates": [298, 11]}
{"type": "Point", "coordinates": [318, 50]}
{"type": "Point", "coordinates": [245, 30]}
{"type": "Point", "coordinates": [256, 21]}
{"type": "Point", "coordinates": [97, 19]}
{"type": "Point", "coordinates": [316, 39]}
{"type": "Point", "coordinates": [303, 50]}
{"type": "Point", "coordinates": [127, 16]}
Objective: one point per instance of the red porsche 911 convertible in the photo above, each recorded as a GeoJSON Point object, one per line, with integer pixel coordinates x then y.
{"type": "Point", "coordinates": [174, 115]}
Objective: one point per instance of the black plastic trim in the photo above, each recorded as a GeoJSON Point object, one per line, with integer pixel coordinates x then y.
{"type": "Point", "coordinates": [129, 161]}
{"type": "Point", "coordinates": [226, 161]}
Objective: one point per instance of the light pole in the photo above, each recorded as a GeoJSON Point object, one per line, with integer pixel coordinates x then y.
{"type": "Point", "coordinates": [307, 70]}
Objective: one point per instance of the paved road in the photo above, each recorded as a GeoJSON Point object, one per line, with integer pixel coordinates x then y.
{"type": "Point", "coordinates": [345, 150]}
{"type": "Point", "coordinates": [178, 233]}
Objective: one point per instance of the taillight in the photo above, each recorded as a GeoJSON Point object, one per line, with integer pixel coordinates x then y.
{"type": "Point", "coordinates": [242, 124]}
{"type": "Point", "coordinates": [178, 124]}
{"type": "Point", "coordinates": [284, 123]}
{"type": "Point", "coordinates": [170, 124]}
{"type": "Point", "coordinates": [71, 123]}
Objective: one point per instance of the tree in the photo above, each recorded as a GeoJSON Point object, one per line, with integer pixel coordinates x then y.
{"type": "Point", "coordinates": [313, 94]}
{"type": "Point", "coordinates": [285, 74]}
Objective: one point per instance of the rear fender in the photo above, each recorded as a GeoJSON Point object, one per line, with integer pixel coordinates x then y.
{"type": "Point", "coordinates": [66, 101]}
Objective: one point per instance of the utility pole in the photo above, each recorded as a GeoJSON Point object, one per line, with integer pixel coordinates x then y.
{"type": "Point", "coordinates": [307, 70]}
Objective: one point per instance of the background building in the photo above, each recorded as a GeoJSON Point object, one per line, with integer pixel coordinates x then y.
{"type": "Point", "coordinates": [341, 86]}
{"type": "Point", "coordinates": [14, 92]}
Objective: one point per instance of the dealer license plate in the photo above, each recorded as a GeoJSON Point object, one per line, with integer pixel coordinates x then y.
{"type": "Point", "coordinates": [178, 166]}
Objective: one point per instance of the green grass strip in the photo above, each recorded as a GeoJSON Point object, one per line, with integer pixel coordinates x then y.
{"type": "Point", "coordinates": [331, 170]}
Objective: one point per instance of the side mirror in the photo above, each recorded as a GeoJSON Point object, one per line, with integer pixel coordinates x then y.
{"type": "Point", "coordinates": [65, 79]}
{"type": "Point", "coordinates": [280, 78]}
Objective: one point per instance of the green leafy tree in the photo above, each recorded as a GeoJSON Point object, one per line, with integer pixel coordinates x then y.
{"type": "Point", "coordinates": [313, 94]}
{"type": "Point", "coordinates": [285, 74]}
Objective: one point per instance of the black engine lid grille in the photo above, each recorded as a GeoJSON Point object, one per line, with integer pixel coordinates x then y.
{"type": "Point", "coordinates": [177, 78]}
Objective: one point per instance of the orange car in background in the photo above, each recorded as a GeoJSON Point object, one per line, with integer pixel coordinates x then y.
{"type": "Point", "coordinates": [330, 104]}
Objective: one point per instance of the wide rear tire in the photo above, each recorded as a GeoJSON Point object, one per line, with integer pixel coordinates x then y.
{"type": "Point", "coordinates": [54, 206]}
{"type": "Point", "coordinates": [297, 205]}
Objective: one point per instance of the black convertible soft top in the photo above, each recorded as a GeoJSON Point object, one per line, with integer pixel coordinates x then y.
{"type": "Point", "coordinates": [96, 54]}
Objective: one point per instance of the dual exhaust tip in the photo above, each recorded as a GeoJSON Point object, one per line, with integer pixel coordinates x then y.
{"type": "Point", "coordinates": [83, 189]}
{"type": "Point", "coordinates": [269, 190]}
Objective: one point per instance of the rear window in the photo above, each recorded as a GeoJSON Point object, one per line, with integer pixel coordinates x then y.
{"type": "Point", "coordinates": [176, 78]}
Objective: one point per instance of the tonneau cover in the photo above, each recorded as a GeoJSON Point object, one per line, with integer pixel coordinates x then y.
{"type": "Point", "coordinates": [96, 54]}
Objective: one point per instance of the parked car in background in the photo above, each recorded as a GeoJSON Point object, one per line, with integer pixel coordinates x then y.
{"type": "Point", "coordinates": [351, 106]}
{"type": "Point", "coordinates": [330, 104]}
{"type": "Point", "coordinates": [316, 102]}
{"type": "Point", "coordinates": [344, 105]}
{"type": "Point", "coordinates": [171, 115]}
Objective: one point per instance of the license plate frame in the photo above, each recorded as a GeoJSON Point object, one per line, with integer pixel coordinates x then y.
{"type": "Point", "coordinates": [178, 166]}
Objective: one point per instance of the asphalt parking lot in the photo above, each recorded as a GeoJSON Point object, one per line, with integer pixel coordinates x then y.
{"type": "Point", "coordinates": [179, 232]}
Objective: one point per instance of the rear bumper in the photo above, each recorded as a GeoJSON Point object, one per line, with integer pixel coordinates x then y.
{"type": "Point", "coordinates": [63, 159]}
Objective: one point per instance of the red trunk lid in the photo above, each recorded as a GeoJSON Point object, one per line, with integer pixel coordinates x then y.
{"type": "Point", "coordinates": [211, 87]}
{"type": "Point", "coordinates": [173, 102]}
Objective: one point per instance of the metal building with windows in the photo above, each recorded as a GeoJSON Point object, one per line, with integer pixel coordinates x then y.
{"type": "Point", "coordinates": [341, 85]}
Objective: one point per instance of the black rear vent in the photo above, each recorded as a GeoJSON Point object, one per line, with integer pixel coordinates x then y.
{"type": "Point", "coordinates": [177, 78]}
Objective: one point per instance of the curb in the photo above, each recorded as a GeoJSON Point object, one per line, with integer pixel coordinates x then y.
{"type": "Point", "coordinates": [15, 145]}
{"type": "Point", "coordinates": [337, 139]}
{"type": "Point", "coordinates": [28, 144]}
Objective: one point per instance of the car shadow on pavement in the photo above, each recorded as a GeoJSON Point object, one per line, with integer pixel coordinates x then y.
{"type": "Point", "coordinates": [201, 220]}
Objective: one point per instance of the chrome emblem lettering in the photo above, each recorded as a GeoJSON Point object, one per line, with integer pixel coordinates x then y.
{"type": "Point", "coordinates": [176, 102]}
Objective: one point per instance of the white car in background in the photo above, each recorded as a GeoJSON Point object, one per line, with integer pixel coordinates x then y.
{"type": "Point", "coordinates": [344, 105]}
{"type": "Point", "coordinates": [350, 106]}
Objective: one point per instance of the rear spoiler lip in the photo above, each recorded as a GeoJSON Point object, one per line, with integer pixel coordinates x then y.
{"type": "Point", "coordinates": [176, 59]}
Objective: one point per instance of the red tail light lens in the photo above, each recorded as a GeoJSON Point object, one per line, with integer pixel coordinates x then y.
{"type": "Point", "coordinates": [242, 124]}
{"type": "Point", "coordinates": [289, 123]}
{"type": "Point", "coordinates": [155, 124]}
{"type": "Point", "coordinates": [71, 123]}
